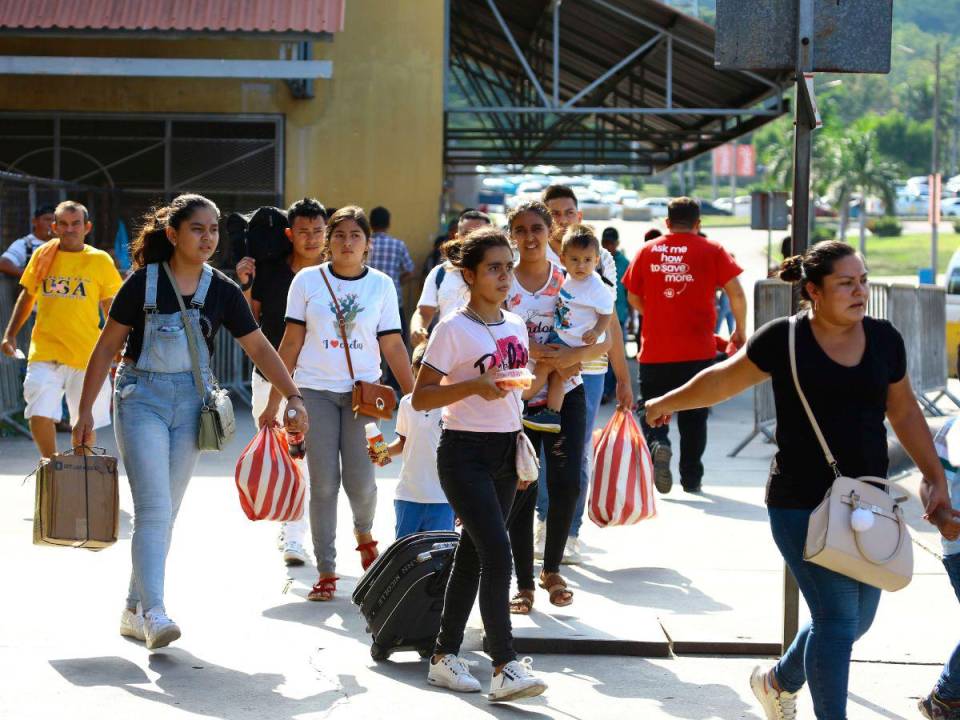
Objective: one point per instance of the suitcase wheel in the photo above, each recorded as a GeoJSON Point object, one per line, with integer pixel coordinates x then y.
{"type": "Point", "coordinates": [379, 653]}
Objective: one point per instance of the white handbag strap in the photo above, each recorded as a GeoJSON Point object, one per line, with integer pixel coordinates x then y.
{"type": "Point", "coordinates": [792, 343]}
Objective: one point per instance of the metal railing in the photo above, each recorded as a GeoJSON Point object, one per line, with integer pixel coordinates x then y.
{"type": "Point", "coordinates": [231, 365]}
{"type": "Point", "coordinates": [771, 300]}
{"type": "Point", "coordinates": [11, 370]}
{"type": "Point", "coordinates": [918, 313]}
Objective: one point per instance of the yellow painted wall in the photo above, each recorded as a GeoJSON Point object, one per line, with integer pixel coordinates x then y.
{"type": "Point", "coordinates": [373, 135]}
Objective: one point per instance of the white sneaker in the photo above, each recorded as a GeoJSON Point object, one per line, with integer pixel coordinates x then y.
{"type": "Point", "coordinates": [452, 672]}
{"type": "Point", "coordinates": [281, 541]}
{"type": "Point", "coordinates": [293, 553]}
{"type": "Point", "coordinates": [515, 682]}
{"type": "Point", "coordinates": [539, 539]}
{"type": "Point", "coordinates": [571, 552]}
{"type": "Point", "coordinates": [776, 705]}
{"type": "Point", "coordinates": [159, 630]}
{"type": "Point", "coordinates": [131, 625]}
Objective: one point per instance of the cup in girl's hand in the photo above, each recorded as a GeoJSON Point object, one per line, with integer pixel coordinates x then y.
{"type": "Point", "coordinates": [518, 379]}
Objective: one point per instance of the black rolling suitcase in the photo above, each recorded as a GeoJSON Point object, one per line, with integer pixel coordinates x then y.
{"type": "Point", "coordinates": [401, 594]}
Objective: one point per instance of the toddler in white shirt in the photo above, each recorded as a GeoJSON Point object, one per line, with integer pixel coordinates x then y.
{"type": "Point", "coordinates": [582, 316]}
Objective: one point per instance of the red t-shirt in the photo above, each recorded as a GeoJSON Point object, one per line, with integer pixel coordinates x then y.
{"type": "Point", "coordinates": [677, 276]}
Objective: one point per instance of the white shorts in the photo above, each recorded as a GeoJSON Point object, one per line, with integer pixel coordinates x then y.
{"type": "Point", "coordinates": [45, 385]}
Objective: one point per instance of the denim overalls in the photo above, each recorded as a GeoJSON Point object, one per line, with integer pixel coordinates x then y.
{"type": "Point", "coordinates": [157, 416]}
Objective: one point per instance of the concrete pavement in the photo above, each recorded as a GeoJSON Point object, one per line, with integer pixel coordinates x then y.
{"type": "Point", "coordinates": [704, 571]}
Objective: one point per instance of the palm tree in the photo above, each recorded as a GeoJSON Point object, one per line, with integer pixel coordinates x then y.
{"type": "Point", "coordinates": [870, 173]}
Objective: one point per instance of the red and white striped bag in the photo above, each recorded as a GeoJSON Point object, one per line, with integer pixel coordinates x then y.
{"type": "Point", "coordinates": [269, 481]}
{"type": "Point", "coordinates": [622, 489]}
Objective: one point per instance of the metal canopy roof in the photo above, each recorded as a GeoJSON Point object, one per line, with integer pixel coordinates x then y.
{"type": "Point", "coordinates": [628, 83]}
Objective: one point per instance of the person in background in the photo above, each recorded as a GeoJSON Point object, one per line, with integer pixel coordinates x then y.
{"type": "Point", "coordinates": [444, 288]}
{"type": "Point", "coordinates": [436, 255]}
{"type": "Point", "coordinates": [71, 283]}
{"type": "Point", "coordinates": [265, 289]}
{"type": "Point", "coordinates": [17, 255]}
{"type": "Point", "coordinates": [943, 702]}
{"type": "Point", "coordinates": [649, 236]}
{"type": "Point", "coordinates": [565, 211]}
{"type": "Point", "coordinates": [420, 504]}
{"type": "Point", "coordinates": [157, 401]}
{"type": "Point", "coordinates": [853, 371]}
{"type": "Point", "coordinates": [672, 281]}
{"type": "Point", "coordinates": [313, 344]}
{"type": "Point", "coordinates": [390, 256]}
{"type": "Point", "coordinates": [611, 243]}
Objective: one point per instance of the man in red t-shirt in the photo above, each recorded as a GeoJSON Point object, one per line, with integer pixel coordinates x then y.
{"type": "Point", "coordinates": [672, 282]}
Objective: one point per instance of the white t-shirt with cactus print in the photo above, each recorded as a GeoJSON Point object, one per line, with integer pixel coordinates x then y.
{"type": "Point", "coordinates": [369, 306]}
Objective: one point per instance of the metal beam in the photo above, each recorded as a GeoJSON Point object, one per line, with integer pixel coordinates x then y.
{"type": "Point", "coordinates": [165, 67]}
{"type": "Point", "coordinates": [615, 69]}
{"type": "Point", "coordinates": [683, 41]}
{"type": "Point", "coordinates": [519, 53]}
{"type": "Point", "coordinates": [556, 53]}
{"type": "Point", "coordinates": [522, 110]}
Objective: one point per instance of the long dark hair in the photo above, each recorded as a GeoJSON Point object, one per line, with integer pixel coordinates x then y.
{"type": "Point", "coordinates": [350, 212]}
{"type": "Point", "coordinates": [151, 244]}
{"type": "Point", "coordinates": [814, 265]}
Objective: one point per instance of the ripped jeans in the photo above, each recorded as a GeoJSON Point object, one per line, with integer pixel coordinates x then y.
{"type": "Point", "coordinates": [563, 454]}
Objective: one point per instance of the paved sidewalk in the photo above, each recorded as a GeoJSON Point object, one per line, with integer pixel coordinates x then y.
{"type": "Point", "coordinates": [705, 570]}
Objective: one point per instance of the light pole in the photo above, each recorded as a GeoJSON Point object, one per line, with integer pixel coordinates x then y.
{"type": "Point", "coordinates": [935, 169]}
{"type": "Point", "coordinates": [934, 163]}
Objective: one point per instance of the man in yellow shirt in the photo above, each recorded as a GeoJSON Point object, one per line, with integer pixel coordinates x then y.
{"type": "Point", "coordinates": [69, 292]}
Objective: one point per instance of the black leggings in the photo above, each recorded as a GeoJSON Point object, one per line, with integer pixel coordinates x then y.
{"type": "Point", "coordinates": [478, 474]}
{"type": "Point", "coordinates": [563, 454]}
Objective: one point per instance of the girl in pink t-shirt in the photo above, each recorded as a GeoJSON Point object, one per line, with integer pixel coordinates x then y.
{"type": "Point", "coordinates": [476, 461]}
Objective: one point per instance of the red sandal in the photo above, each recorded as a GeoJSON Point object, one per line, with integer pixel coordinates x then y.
{"type": "Point", "coordinates": [323, 590]}
{"type": "Point", "coordinates": [368, 553]}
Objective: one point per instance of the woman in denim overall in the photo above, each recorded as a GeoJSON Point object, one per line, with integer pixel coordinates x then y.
{"type": "Point", "coordinates": [155, 396]}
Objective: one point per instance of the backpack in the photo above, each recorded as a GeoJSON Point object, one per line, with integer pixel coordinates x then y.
{"type": "Point", "coordinates": [440, 275]}
{"type": "Point", "coordinates": [266, 239]}
{"type": "Point", "coordinates": [236, 227]}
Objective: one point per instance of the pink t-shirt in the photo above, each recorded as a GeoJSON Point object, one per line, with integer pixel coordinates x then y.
{"type": "Point", "coordinates": [461, 348]}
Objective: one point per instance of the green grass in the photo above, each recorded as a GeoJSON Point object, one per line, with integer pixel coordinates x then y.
{"type": "Point", "coordinates": [906, 254]}
{"type": "Point", "coordinates": [724, 221]}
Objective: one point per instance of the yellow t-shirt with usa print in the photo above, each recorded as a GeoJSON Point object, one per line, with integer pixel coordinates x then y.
{"type": "Point", "coordinates": [68, 305]}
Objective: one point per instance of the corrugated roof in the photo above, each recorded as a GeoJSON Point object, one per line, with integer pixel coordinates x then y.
{"type": "Point", "coordinates": [248, 16]}
{"type": "Point", "coordinates": [596, 36]}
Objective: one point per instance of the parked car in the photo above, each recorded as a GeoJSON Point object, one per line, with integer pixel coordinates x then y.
{"type": "Point", "coordinates": [950, 207]}
{"type": "Point", "coordinates": [657, 205]}
{"type": "Point", "coordinates": [709, 208]}
{"type": "Point", "coordinates": [739, 206]}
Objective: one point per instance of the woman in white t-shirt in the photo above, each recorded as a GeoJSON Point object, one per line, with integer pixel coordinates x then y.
{"type": "Point", "coordinates": [533, 296]}
{"type": "Point", "coordinates": [476, 461]}
{"type": "Point", "coordinates": [312, 343]}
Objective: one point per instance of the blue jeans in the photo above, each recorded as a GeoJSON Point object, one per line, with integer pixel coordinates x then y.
{"type": "Point", "coordinates": [414, 517]}
{"type": "Point", "coordinates": [841, 611]}
{"type": "Point", "coordinates": [156, 424]}
{"type": "Point", "coordinates": [948, 686]}
{"type": "Point", "coordinates": [593, 387]}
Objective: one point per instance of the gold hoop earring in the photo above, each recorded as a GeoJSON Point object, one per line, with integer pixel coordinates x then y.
{"type": "Point", "coordinates": [816, 306]}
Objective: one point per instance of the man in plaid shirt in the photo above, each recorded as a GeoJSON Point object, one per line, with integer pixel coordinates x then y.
{"type": "Point", "coordinates": [390, 255]}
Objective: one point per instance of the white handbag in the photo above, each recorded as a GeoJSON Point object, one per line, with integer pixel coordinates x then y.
{"type": "Point", "coordinates": [858, 530]}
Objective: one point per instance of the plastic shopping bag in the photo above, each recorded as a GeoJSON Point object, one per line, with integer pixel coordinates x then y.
{"type": "Point", "coordinates": [621, 492]}
{"type": "Point", "coordinates": [269, 481]}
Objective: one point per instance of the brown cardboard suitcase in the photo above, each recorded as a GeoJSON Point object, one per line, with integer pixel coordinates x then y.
{"type": "Point", "coordinates": [77, 502]}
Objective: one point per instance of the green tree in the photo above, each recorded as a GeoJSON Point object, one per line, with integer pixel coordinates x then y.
{"type": "Point", "coordinates": [853, 163]}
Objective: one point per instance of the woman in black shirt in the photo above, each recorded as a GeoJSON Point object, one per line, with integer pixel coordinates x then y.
{"type": "Point", "coordinates": [853, 371]}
